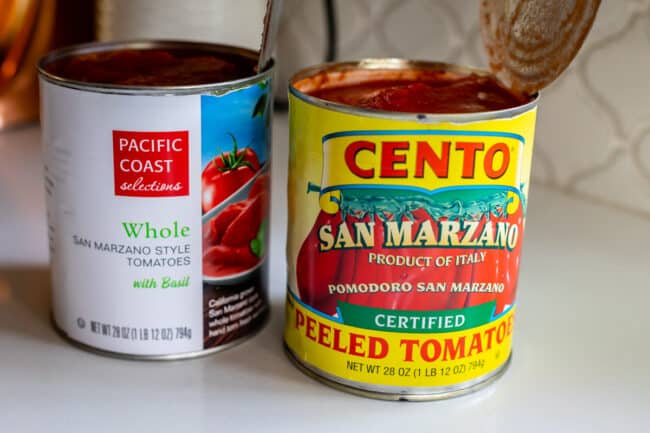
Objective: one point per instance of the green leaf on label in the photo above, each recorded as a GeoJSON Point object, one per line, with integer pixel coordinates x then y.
{"type": "Point", "coordinates": [257, 244]}
{"type": "Point", "coordinates": [260, 106]}
{"type": "Point", "coordinates": [256, 247]}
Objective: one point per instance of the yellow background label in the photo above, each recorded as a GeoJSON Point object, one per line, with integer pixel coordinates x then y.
{"type": "Point", "coordinates": [397, 359]}
{"type": "Point", "coordinates": [318, 139]}
{"type": "Point", "coordinates": [309, 124]}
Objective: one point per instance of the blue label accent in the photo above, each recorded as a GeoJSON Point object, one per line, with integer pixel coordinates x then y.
{"type": "Point", "coordinates": [233, 114]}
{"type": "Point", "coordinates": [451, 132]}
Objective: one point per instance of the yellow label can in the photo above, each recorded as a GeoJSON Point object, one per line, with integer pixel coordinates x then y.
{"type": "Point", "coordinates": [405, 233]}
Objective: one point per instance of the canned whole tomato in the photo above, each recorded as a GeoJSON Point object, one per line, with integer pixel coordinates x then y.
{"type": "Point", "coordinates": [157, 178]}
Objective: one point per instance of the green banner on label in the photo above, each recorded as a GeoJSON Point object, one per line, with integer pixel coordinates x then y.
{"type": "Point", "coordinates": [416, 321]}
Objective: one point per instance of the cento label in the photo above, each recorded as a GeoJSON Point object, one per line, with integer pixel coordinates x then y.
{"type": "Point", "coordinates": [404, 244]}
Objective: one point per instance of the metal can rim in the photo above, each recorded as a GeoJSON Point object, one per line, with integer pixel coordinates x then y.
{"type": "Point", "coordinates": [141, 44]}
{"type": "Point", "coordinates": [394, 63]}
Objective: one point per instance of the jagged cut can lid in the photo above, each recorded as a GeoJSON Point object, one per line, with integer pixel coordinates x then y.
{"type": "Point", "coordinates": [530, 42]}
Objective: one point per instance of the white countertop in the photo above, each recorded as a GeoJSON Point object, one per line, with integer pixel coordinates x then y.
{"type": "Point", "coordinates": [581, 358]}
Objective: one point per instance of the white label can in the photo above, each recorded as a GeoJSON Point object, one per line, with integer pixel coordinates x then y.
{"type": "Point", "coordinates": [157, 199]}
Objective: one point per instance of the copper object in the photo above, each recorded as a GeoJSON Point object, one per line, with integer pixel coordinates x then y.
{"type": "Point", "coordinates": [25, 33]}
{"type": "Point", "coordinates": [28, 30]}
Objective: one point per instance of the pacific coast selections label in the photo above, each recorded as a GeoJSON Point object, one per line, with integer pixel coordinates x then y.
{"type": "Point", "coordinates": [404, 245]}
{"type": "Point", "coordinates": [158, 217]}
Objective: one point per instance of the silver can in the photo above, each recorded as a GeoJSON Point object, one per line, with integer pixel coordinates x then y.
{"type": "Point", "coordinates": [157, 157]}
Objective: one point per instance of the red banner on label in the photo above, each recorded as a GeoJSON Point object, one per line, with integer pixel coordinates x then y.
{"type": "Point", "coordinates": [151, 164]}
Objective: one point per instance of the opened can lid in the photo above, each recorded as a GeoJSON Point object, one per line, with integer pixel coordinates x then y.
{"type": "Point", "coordinates": [530, 42]}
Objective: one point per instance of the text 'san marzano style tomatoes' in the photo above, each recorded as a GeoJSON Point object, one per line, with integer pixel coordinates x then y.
{"type": "Point", "coordinates": [226, 173]}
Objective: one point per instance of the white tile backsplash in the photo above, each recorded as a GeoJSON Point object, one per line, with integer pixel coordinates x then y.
{"type": "Point", "coordinates": [593, 132]}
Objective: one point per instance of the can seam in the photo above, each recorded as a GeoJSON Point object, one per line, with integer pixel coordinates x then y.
{"type": "Point", "coordinates": [445, 393]}
{"type": "Point", "coordinates": [401, 64]}
{"type": "Point", "coordinates": [161, 358]}
{"type": "Point", "coordinates": [94, 47]}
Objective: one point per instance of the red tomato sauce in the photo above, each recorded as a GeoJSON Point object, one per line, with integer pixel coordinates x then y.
{"type": "Point", "coordinates": [152, 67]}
{"type": "Point", "coordinates": [428, 92]}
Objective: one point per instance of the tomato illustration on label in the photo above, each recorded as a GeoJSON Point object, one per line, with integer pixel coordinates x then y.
{"type": "Point", "coordinates": [234, 239]}
{"type": "Point", "coordinates": [402, 250]}
{"type": "Point", "coordinates": [226, 173]}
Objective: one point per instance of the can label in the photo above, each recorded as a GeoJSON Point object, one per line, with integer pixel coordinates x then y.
{"type": "Point", "coordinates": [404, 244]}
{"type": "Point", "coordinates": [158, 216]}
